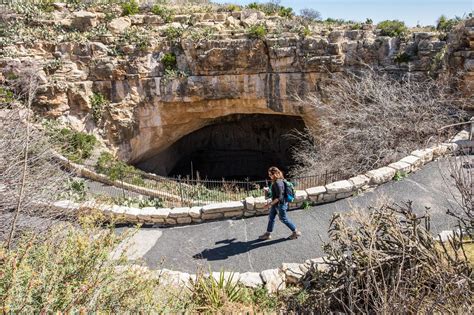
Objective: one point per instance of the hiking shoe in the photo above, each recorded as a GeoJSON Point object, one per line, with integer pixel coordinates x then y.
{"type": "Point", "coordinates": [295, 235]}
{"type": "Point", "coordinates": [265, 236]}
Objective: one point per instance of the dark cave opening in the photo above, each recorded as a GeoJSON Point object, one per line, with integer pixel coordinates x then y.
{"type": "Point", "coordinates": [235, 147]}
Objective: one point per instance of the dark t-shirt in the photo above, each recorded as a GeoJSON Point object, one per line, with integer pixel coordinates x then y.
{"type": "Point", "coordinates": [278, 190]}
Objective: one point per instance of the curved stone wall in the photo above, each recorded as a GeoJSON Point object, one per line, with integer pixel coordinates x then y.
{"type": "Point", "coordinates": [257, 206]}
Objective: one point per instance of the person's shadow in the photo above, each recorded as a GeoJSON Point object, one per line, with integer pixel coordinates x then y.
{"type": "Point", "coordinates": [232, 248]}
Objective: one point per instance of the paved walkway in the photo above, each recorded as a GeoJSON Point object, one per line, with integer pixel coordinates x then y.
{"type": "Point", "coordinates": [232, 244]}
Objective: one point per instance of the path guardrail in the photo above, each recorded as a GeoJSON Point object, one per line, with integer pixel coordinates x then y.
{"type": "Point", "coordinates": [184, 191]}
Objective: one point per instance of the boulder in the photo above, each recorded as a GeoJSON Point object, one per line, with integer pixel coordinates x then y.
{"type": "Point", "coordinates": [84, 20]}
{"type": "Point", "coordinates": [119, 25]}
{"type": "Point", "coordinates": [251, 279]}
{"type": "Point", "coordinates": [292, 272]}
{"type": "Point", "coordinates": [274, 280]}
{"type": "Point", "coordinates": [173, 278]}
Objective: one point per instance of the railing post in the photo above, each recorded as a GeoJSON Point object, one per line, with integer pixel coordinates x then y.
{"type": "Point", "coordinates": [181, 191]}
{"type": "Point", "coordinates": [471, 134]}
{"type": "Point", "coordinates": [326, 178]}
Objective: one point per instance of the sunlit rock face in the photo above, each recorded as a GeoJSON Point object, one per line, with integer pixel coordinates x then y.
{"type": "Point", "coordinates": [234, 146]}
{"type": "Point", "coordinates": [231, 84]}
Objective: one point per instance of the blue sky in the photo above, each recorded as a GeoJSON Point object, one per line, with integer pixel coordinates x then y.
{"type": "Point", "coordinates": [425, 12]}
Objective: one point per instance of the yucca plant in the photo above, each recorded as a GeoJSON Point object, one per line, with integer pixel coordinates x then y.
{"type": "Point", "coordinates": [212, 294]}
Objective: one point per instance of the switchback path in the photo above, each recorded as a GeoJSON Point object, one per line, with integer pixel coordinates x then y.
{"type": "Point", "coordinates": [232, 245]}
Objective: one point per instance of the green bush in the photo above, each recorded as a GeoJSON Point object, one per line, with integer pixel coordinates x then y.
{"type": "Point", "coordinates": [68, 270]}
{"type": "Point", "coordinates": [6, 96]}
{"type": "Point", "coordinates": [173, 33]}
{"type": "Point", "coordinates": [445, 25]}
{"type": "Point", "coordinates": [286, 12]}
{"type": "Point", "coordinates": [76, 190]}
{"type": "Point", "coordinates": [169, 61]}
{"type": "Point", "coordinates": [116, 169]}
{"type": "Point", "coordinates": [98, 104]}
{"type": "Point", "coordinates": [258, 31]}
{"type": "Point", "coordinates": [165, 13]}
{"type": "Point", "coordinates": [75, 145]}
{"type": "Point", "coordinates": [130, 8]}
{"type": "Point", "coordinates": [135, 36]}
{"type": "Point", "coordinates": [305, 32]}
{"type": "Point", "coordinates": [233, 8]}
{"type": "Point", "coordinates": [402, 57]}
{"type": "Point", "coordinates": [392, 28]}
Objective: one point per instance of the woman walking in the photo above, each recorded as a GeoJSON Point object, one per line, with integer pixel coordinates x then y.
{"type": "Point", "coordinates": [278, 205]}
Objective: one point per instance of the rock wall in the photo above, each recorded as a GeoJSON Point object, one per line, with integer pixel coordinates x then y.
{"type": "Point", "coordinates": [223, 75]}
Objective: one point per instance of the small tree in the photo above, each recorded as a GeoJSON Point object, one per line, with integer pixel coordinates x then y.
{"type": "Point", "coordinates": [310, 14]}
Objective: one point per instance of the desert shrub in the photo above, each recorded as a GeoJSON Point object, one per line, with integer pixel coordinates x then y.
{"type": "Point", "coordinates": [233, 8]}
{"type": "Point", "coordinates": [371, 120]}
{"type": "Point", "coordinates": [212, 294]}
{"type": "Point", "coordinates": [331, 21]}
{"type": "Point", "coordinates": [285, 12]}
{"type": "Point", "coordinates": [116, 169]}
{"type": "Point", "coordinates": [392, 28]}
{"type": "Point", "coordinates": [69, 270]}
{"type": "Point", "coordinates": [446, 25]}
{"type": "Point", "coordinates": [305, 32]}
{"type": "Point", "coordinates": [310, 14]}
{"type": "Point", "coordinates": [98, 104]}
{"type": "Point", "coordinates": [173, 33]}
{"type": "Point", "coordinates": [130, 7]}
{"type": "Point", "coordinates": [269, 8]}
{"type": "Point", "coordinates": [6, 96]}
{"type": "Point", "coordinates": [172, 74]}
{"type": "Point", "coordinates": [75, 145]}
{"type": "Point", "coordinates": [52, 66]}
{"type": "Point", "coordinates": [198, 34]}
{"type": "Point", "coordinates": [169, 61]}
{"type": "Point", "coordinates": [75, 189]}
{"type": "Point", "coordinates": [402, 57]}
{"type": "Point", "coordinates": [139, 37]}
{"type": "Point", "coordinates": [387, 259]}
{"type": "Point", "coordinates": [164, 12]}
{"type": "Point", "coordinates": [258, 31]}
{"type": "Point", "coordinates": [369, 21]}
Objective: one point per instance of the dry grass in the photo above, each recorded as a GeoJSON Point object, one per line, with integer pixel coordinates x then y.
{"type": "Point", "coordinates": [388, 260]}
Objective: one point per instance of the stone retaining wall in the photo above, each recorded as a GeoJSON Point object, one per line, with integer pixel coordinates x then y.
{"type": "Point", "coordinates": [256, 206]}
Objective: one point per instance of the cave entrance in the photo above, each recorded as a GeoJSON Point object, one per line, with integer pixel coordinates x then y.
{"type": "Point", "coordinates": [234, 147]}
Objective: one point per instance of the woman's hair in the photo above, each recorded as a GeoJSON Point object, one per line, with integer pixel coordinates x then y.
{"type": "Point", "coordinates": [276, 172]}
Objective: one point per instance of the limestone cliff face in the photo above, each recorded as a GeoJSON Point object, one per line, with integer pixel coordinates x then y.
{"type": "Point", "coordinates": [223, 75]}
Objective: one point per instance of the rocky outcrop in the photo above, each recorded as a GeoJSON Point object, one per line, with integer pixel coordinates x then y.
{"type": "Point", "coordinates": [215, 76]}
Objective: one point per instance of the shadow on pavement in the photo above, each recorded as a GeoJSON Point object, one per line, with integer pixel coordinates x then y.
{"type": "Point", "coordinates": [232, 248]}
